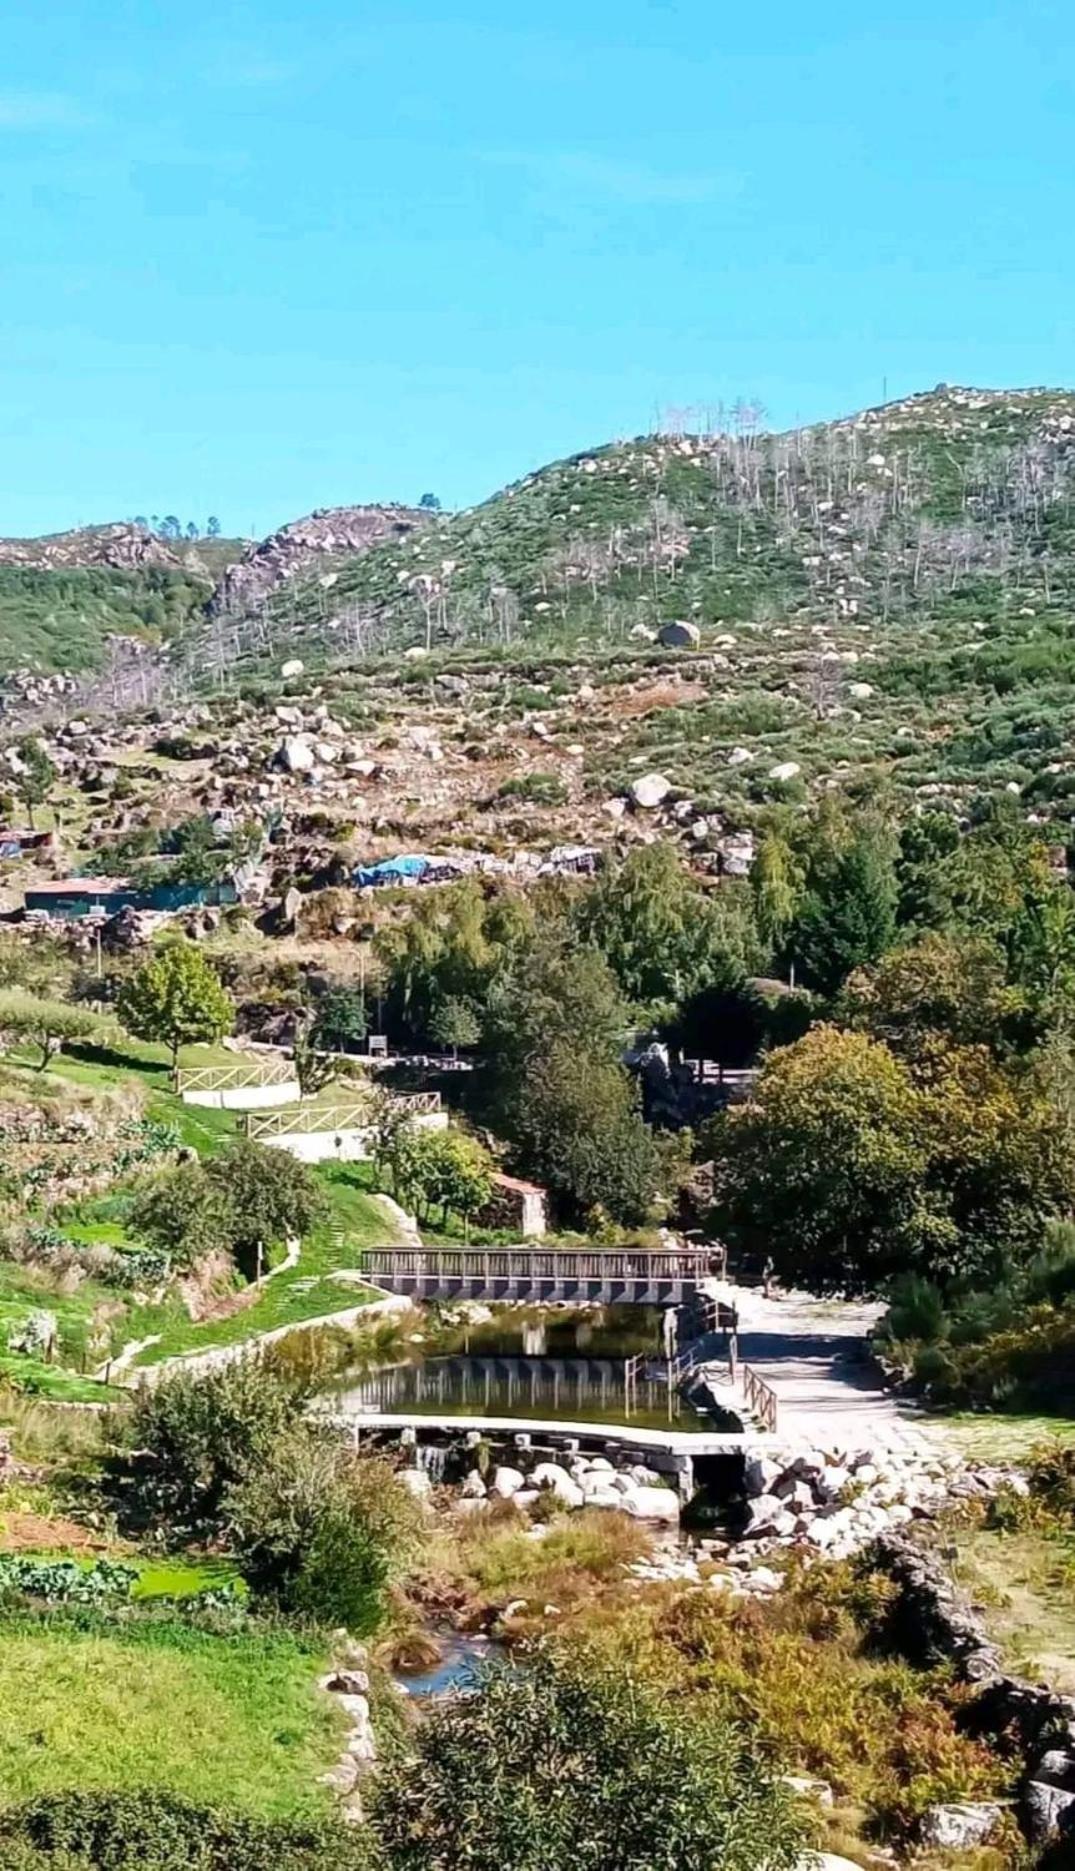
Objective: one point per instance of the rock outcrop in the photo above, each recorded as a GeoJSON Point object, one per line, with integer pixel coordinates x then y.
{"type": "Point", "coordinates": [331, 532]}
{"type": "Point", "coordinates": [123, 546]}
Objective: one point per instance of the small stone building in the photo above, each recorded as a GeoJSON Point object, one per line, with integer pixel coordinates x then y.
{"type": "Point", "coordinates": [518, 1205]}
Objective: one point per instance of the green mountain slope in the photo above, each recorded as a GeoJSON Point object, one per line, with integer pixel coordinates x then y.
{"type": "Point", "coordinates": [955, 506]}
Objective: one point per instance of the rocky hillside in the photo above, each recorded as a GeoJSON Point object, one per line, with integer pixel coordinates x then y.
{"type": "Point", "coordinates": [664, 634]}
{"type": "Point", "coordinates": [952, 507]}
{"type": "Point", "coordinates": [79, 601]}
{"type": "Point", "coordinates": [332, 533]}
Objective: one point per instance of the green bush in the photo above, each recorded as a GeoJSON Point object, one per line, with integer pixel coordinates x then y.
{"type": "Point", "coordinates": [154, 1831]}
{"type": "Point", "coordinates": [319, 1531]}
{"type": "Point", "coordinates": [190, 1440]}
{"type": "Point", "coordinates": [570, 1766]}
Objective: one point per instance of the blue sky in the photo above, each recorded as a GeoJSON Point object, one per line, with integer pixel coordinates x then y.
{"type": "Point", "coordinates": [259, 258]}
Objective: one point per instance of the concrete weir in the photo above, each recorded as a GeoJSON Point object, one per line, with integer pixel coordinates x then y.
{"type": "Point", "coordinates": [670, 1451]}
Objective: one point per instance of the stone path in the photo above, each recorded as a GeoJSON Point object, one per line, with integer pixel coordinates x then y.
{"type": "Point", "coordinates": [813, 1354]}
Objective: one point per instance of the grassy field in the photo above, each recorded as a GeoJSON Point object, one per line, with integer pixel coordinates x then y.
{"type": "Point", "coordinates": [1025, 1584]}
{"type": "Point", "coordinates": [994, 1437]}
{"type": "Point", "coordinates": [307, 1291]}
{"type": "Point", "coordinates": [236, 1720]}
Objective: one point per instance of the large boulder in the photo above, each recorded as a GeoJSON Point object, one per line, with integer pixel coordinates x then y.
{"type": "Point", "coordinates": [760, 1474]}
{"type": "Point", "coordinates": [650, 790]}
{"type": "Point", "coordinates": [507, 1481]}
{"type": "Point", "coordinates": [296, 754]}
{"type": "Point", "coordinates": [958, 1827]}
{"type": "Point", "coordinates": [764, 1511]}
{"type": "Point", "coordinates": [679, 636]}
{"type": "Point", "coordinates": [651, 1504]}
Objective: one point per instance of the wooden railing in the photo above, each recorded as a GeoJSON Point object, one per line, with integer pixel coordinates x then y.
{"type": "Point", "coordinates": [356, 1115]}
{"type": "Point", "coordinates": [234, 1077]}
{"type": "Point", "coordinates": [535, 1263]}
{"type": "Point", "coordinates": [760, 1397]}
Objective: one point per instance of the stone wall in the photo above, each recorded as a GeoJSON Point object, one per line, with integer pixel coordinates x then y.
{"type": "Point", "coordinates": [932, 1622]}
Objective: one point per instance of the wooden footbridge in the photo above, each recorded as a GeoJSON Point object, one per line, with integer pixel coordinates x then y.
{"type": "Point", "coordinates": [635, 1276]}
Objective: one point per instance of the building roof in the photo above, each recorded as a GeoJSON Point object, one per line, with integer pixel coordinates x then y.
{"type": "Point", "coordinates": [517, 1186]}
{"type": "Point", "coordinates": [81, 887]}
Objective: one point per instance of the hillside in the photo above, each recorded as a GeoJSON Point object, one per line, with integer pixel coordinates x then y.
{"type": "Point", "coordinates": [63, 596]}
{"type": "Point", "coordinates": [881, 602]}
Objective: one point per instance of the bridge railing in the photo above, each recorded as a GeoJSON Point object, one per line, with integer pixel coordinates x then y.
{"type": "Point", "coordinates": [760, 1397]}
{"type": "Point", "coordinates": [488, 1264]}
{"type": "Point", "coordinates": [353, 1115]}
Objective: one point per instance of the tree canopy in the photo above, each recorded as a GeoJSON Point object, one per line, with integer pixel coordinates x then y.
{"type": "Point", "coordinates": [176, 998]}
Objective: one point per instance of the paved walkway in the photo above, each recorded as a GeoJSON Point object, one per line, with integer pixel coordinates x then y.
{"type": "Point", "coordinates": [814, 1355]}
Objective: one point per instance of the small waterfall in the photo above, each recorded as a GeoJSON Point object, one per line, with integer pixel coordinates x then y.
{"type": "Point", "coordinates": [535, 1339]}
{"type": "Point", "coordinates": [432, 1460]}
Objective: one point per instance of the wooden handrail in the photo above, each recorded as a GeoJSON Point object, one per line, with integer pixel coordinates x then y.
{"type": "Point", "coordinates": [234, 1077]}
{"type": "Point", "coordinates": [760, 1398]}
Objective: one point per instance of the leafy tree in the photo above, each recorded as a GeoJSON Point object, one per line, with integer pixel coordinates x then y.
{"type": "Point", "coordinates": [847, 918]}
{"type": "Point", "coordinates": [926, 841]}
{"type": "Point", "coordinates": [823, 1170]}
{"type": "Point", "coordinates": [852, 1166]}
{"type": "Point", "coordinates": [569, 1765]}
{"type": "Point", "coordinates": [555, 1031]}
{"type": "Point", "coordinates": [313, 1069]}
{"type": "Point", "coordinates": [1041, 948]}
{"type": "Point", "coordinates": [429, 503]}
{"type": "Point", "coordinates": [212, 527]}
{"type": "Point", "coordinates": [340, 1019]}
{"type": "Point", "coordinates": [449, 1169]}
{"type": "Point", "coordinates": [949, 986]}
{"type": "Point", "coordinates": [33, 1020]}
{"type": "Point", "coordinates": [776, 882]}
{"type": "Point", "coordinates": [184, 1211]}
{"type": "Point", "coordinates": [270, 1197]}
{"type": "Point", "coordinates": [661, 933]}
{"type": "Point", "coordinates": [455, 944]}
{"type": "Point", "coordinates": [454, 1023]}
{"type": "Point", "coordinates": [35, 776]}
{"type": "Point", "coordinates": [577, 1121]}
{"type": "Point", "coordinates": [176, 998]}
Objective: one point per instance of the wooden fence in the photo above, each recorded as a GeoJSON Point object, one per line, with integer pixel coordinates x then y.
{"type": "Point", "coordinates": [356, 1115]}
{"type": "Point", "coordinates": [240, 1077]}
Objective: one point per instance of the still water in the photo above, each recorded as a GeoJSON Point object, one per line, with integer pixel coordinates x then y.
{"type": "Point", "coordinates": [556, 1365]}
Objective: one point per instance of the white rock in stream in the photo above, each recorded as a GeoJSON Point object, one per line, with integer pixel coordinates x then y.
{"type": "Point", "coordinates": [507, 1481]}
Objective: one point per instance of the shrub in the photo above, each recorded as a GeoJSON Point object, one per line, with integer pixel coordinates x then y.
{"type": "Point", "coordinates": [319, 1531]}
{"type": "Point", "coordinates": [155, 1831]}
{"type": "Point", "coordinates": [567, 1763]}
{"type": "Point", "coordinates": [190, 1440]}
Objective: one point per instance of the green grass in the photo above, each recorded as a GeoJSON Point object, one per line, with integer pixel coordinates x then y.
{"type": "Point", "coordinates": [1002, 1438]}
{"type": "Point", "coordinates": [229, 1720]}
{"type": "Point", "coordinates": [1024, 1583]}
{"type": "Point", "coordinates": [304, 1292]}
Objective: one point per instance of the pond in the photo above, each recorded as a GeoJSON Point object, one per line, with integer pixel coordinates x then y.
{"type": "Point", "coordinates": [552, 1365]}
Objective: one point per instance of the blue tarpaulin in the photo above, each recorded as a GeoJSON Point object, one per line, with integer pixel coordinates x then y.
{"type": "Point", "coordinates": [399, 870]}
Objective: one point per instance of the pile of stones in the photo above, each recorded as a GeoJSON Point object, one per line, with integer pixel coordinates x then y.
{"type": "Point", "coordinates": [837, 1501]}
